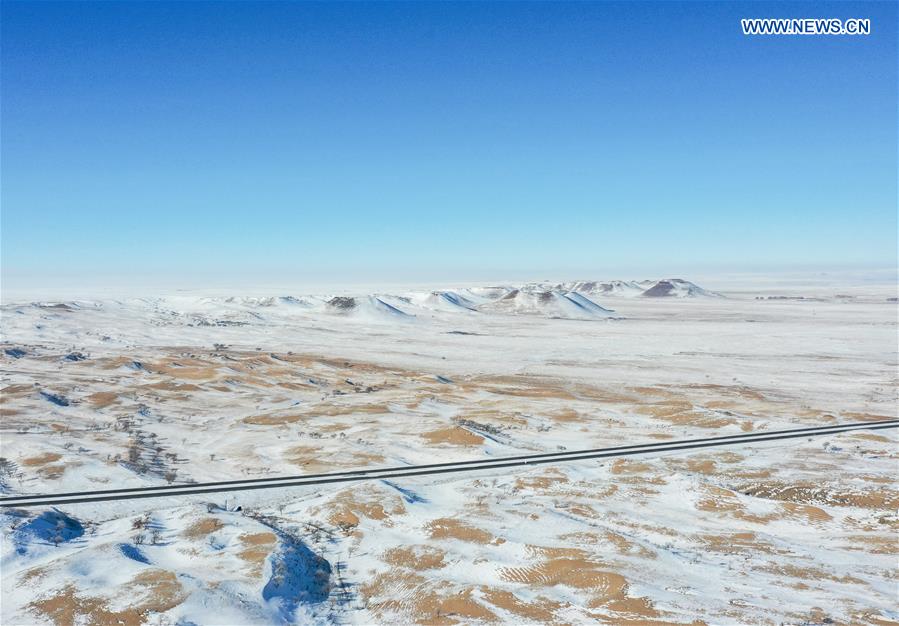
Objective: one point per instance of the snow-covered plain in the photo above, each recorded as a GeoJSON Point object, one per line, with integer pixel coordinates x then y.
{"type": "Point", "coordinates": [145, 391]}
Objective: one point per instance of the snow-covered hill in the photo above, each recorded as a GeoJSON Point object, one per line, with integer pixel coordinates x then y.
{"type": "Point", "coordinates": [677, 288]}
{"type": "Point", "coordinates": [569, 305]}
{"type": "Point", "coordinates": [669, 287]}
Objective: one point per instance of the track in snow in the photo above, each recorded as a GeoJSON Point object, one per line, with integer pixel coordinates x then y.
{"type": "Point", "coordinates": [433, 468]}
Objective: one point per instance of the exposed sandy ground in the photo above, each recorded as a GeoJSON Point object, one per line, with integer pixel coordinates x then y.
{"type": "Point", "coordinates": [803, 531]}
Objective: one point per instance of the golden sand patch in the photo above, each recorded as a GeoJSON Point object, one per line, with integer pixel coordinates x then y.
{"type": "Point", "coordinates": [683, 413]}
{"type": "Point", "coordinates": [719, 500]}
{"type": "Point", "coordinates": [294, 386]}
{"type": "Point", "coordinates": [41, 459]}
{"type": "Point", "coordinates": [346, 518]}
{"type": "Point", "coordinates": [871, 437]}
{"type": "Point", "coordinates": [583, 537]}
{"type": "Point", "coordinates": [622, 544]}
{"type": "Point", "coordinates": [151, 591]}
{"type": "Point", "coordinates": [738, 543]}
{"type": "Point", "coordinates": [872, 544]}
{"type": "Point", "coordinates": [177, 387]}
{"type": "Point", "coordinates": [728, 456]}
{"type": "Point", "coordinates": [579, 509]}
{"type": "Point", "coordinates": [409, 598]}
{"type": "Point", "coordinates": [448, 528]}
{"type": "Point", "coordinates": [491, 412]}
{"type": "Point", "coordinates": [805, 512]}
{"type": "Point", "coordinates": [565, 415]}
{"type": "Point", "coordinates": [314, 459]}
{"type": "Point", "coordinates": [419, 557]}
{"type": "Point", "coordinates": [459, 607]}
{"type": "Point", "coordinates": [519, 386]}
{"type": "Point", "coordinates": [883, 498]}
{"type": "Point", "coordinates": [14, 390]}
{"type": "Point", "coordinates": [52, 472]}
{"type": "Point", "coordinates": [155, 590]}
{"type": "Point", "coordinates": [256, 548]}
{"type": "Point", "coordinates": [867, 617]}
{"type": "Point", "coordinates": [454, 435]}
{"type": "Point", "coordinates": [623, 466]}
{"type": "Point", "coordinates": [571, 568]}
{"type": "Point", "coordinates": [697, 466]}
{"type": "Point", "coordinates": [185, 370]}
{"type": "Point", "coordinates": [317, 411]}
{"type": "Point", "coordinates": [338, 410]}
{"type": "Point", "coordinates": [272, 419]}
{"type": "Point", "coordinates": [673, 405]}
{"type": "Point", "coordinates": [740, 391]}
{"type": "Point", "coordinates": [33, 573]}
{"type": "Point", "coordinates": [111, 363]}
{"type": "Point", "coordinates": [554, 552]}
{"type": "Point", "coordinates": [868, 417]}
{"type": "Point", "coordinates": [350, 505]}
{"type": "Point", "coordinates": [605, 395]}
{"type": "Point", "coordinates": [628, 610]}
{"type": "Point", "coordinates": [551, 393]}
{"type": "Point", "coordinates": [540, 610]}
{"type": "Point", "coordinates": [202, 528]}
{"type": "Point", "coordinates": [880, 480]}
{"type": "Point", "coordinates": [102, 399]}
{"type": "Point", "coordinates": [809, 574]}
{"type": "Point", "coordinates": [544, 481]}
{"type": "Point", "coordinates": [335, 427]}
{"type": "Point", "coordinates": [752, 474]}
{"type": "Point", "coordinates": [576, 572]}
{"type": "Point", "coordinates": [625, 546]}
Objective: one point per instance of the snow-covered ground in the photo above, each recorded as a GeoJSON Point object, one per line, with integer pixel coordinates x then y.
{"type": "Point", "coordinates": [98, 394]}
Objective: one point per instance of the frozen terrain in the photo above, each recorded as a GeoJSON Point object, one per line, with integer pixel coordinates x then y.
{"type": "Point", "coordinates": [99, 394]}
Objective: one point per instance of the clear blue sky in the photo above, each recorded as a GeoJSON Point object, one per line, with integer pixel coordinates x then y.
{"type": "Point", "coordinates": [254, 141]}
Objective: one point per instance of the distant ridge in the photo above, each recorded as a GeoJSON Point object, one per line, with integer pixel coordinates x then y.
{"type": "Point", "coordinates": [664, 288]}
{"type": "Point", "coordinates": [575, 300]}
{"type": "Point", "coordinates": [548, 303]}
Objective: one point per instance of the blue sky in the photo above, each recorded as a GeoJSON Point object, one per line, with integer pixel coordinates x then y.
{"type": "Point", "coordinates": [254, 142]}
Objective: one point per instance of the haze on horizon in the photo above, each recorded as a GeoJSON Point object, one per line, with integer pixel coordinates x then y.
{"type": "Point", "coordinates": [186, 144]}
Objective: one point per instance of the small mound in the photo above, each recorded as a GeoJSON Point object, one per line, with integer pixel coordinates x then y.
{"type": "Point", "coordinates": [448, 301]}
{"type": "Point", "coordinates": [379, 305]}
{"type": "Point", "coordinates": [587, 304]}
{"type": "Point", "coordinates": [341, 303]}
{"type": "Point", "coordinates": [372, 308]}
{"type": "Point", "coordinates": [677, 288]}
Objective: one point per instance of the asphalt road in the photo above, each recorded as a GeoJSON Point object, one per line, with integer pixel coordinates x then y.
{"type": "Point", "coordinates": [169, 491]}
